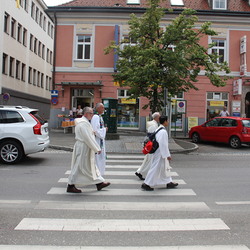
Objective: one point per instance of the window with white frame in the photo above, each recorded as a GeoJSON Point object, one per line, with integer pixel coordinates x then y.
{"type": "Point", "coordinates": [133, 1]}
{"type": "Point", "coordinates": [177, 2]}
{"type": "Point", "coordinates": [220, 4]}
{"type": "Point", "coordinates": [83, 47]}
{"type": "Point", "coordinates": [220, 49]}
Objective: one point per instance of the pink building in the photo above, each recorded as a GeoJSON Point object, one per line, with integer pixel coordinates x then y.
{"type": "Point", "coordinates": [83, 73]}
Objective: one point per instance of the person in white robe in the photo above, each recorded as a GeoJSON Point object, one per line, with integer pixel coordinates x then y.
{"type": "Point", "coordinates": [100, 134]}
{"type": "Point", "coordinates": [158, 172]}
{"type": "Point", "coordinates": [83, 167]}
{"type": "Point", "coordinates": [151, 127]}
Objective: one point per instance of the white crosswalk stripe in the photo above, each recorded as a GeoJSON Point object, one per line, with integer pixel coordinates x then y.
{"type": "Point", "coordinates": [205, 247]}
{"type": "Point", "coordinates": [120, 170]}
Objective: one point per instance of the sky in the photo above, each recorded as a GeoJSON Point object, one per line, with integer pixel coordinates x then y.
{"type": "Point", "coordinates": [55, 2]}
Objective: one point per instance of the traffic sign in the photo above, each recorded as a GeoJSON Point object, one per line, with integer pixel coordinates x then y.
{"type": "Point", "coordinates": [54, 100]}
{"type": "Point", "coordinates": [54, 93]}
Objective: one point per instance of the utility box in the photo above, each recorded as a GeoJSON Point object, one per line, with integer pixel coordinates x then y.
{"type": "Point", "coordinates": [110, 114]}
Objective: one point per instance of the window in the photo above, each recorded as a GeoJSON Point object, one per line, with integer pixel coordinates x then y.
{"type": "Point", "coordinates": [133, 1]}
{"type": "Point", "coordinates": [24, 37]}
{"type": "Point", "coordinates": [13, 28]}
{"type": "Point", "coordinates": [47, 82]}
{"type": "Point", "coordinates": [43, 51]}
{"type": "Point", "coordinates": [48, 31]}
{"type": "Point", "coordinates": [219, 49]}
{"type": "Point", "coordinates": [177, 2]}
{"type": "Point", "coordinates": [38, 78]}
{"type": "Point", "coordinates": [37, 14]}
{"type": "Point", "coordinates": [83, 47]}
{"type": "Point", "coordinates": [30, 75]}
{"type": "Point", "coordinates": [11, 69]}
{"type": "Point", "coordinates": [220, 4]}
{"type": "Point", "coordinates": [41, 19]}
{"type": "Point", "coordinates": [5, 64]}
{"type": "Point", "coordinates": [23, 72]}
{"type": "Point", "coordinates": [7, 116]}
{"type": "Point", "coordinates": [35, 45]}
{"type": "Point", "coordinates": [26, 5]}
{"type": "Point", "coordinates": [34, 77]}
{"type": "Point", "coordinates": [32, 12]}
{"type": "Point", "coordinates": [47, 57]}
{"type": "Point", "coordinates": [19, 33]}
{"type": "Point", "coordinates": [6, 22]}
{"type": "Point", "coordinates": [39, 48]}
{"type": "Point", "coordinates": [31, 42]}
{"type": "Point", "coordinates": [17, 69]}
{"type": "Point", "coordinates": [50, 57]}
{"type": "Point", "coordinates": [44, 23]}
{"type": "Point", "coordinates": [42, 80]}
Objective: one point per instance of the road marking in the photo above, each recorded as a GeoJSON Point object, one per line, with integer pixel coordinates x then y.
{"type": "Point", "coordinates": [122, 156]}
{"type": "Point", "coordinates": [161, 225]}
{"type": "Point", "coordinates": [123, 173]}
{"type": "Point", "coordinates": [15, 201]}
{"type": "Point", "coordinates": [129, 192]}
{"type": "Point", "coordinates": [125, 161]}
{"type": "Point", "coordinates": [124, 181]}
{"type": "Point", "coordinates": [233, 203]}
{"type": "Point", "coordinates": [197, 247]}
{"type": "Point", "coordinates": [124, 206]}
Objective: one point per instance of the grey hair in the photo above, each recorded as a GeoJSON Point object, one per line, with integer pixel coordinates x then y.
{"type": "Point", "coordinates": [98, 105]}
{"type": "Point", "coordinates": [155, 114]}
{"type": "Point", "coordinates": [86, 110]}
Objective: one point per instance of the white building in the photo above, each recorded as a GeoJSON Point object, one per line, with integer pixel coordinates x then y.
{"type": "Point", "coordinates": [26, 47]}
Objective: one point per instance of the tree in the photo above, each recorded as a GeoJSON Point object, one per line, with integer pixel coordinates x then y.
{"type": "Point", "coordinates": [165, 58]}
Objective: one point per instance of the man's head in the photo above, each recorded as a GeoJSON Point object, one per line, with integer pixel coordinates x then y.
{"type": "Point", "coordinates": [164, 120]}
{"type": "Point", "coordinates": [225, 108]}
{"type": "Point", "coordinates": [99, 108]}
{"type": "Point", "coordinates": [88, 113]}
{"type": "Point", "coordinates": [156, 116]}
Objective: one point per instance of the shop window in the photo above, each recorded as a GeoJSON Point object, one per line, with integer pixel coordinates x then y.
{"type": "Point", "coordinates": [83, 47]}
{"type": "Point", "coordinates": [128, 109]}
{"type": "Point", "coordinates": [215, 103]}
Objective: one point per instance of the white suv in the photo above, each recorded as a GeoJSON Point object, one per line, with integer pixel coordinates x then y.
{"type": "Point", "coordinates": [22, 132]}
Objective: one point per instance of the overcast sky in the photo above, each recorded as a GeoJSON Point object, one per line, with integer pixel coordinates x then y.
{"type": "Point", "coordinates": [55, 2]}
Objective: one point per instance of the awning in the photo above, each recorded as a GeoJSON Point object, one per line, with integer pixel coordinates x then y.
{"type": "Point", "coordinates": [97, 83]}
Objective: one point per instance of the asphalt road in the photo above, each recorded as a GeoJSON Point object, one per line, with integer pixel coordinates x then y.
{"type": "Point", "coordinates": [214, 185]}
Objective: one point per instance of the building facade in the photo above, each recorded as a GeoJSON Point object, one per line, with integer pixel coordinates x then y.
{"type": "Point", "coordinates": [26, 46]}
{"type": "Point", "coordinates": [83, 73]}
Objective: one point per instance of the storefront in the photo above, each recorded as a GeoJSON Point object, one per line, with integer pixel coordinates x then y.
{"type": "Point", "coordinates": [128, 110]}
{"type": "Point", "coordinates": [215, 103]}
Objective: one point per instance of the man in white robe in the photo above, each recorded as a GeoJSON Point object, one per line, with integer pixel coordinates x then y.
{"type": "Point", "coordinates": [100, 134]}
{"type": "Point", "coordinates": [157, 174]}
{"type": "Point", "coordinates": [151, 127]}
{"type": "Point", "coordinates": [83, 167]}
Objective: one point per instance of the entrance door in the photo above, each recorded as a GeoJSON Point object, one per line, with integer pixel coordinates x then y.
{"type": "Point", "coordinates": [247, 105]}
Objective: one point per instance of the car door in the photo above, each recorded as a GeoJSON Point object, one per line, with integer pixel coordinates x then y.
{"type": "Point", "coordinates": [228, 127]}
{"type": "Point", "coordinates": [210, 133]}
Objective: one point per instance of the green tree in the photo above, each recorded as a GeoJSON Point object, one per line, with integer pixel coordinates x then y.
{"type": "Point", "coordinates": [165, 58]}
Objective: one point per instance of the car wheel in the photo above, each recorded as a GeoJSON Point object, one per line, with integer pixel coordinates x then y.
{"type": "Point", "coordinates": [10, 152]}
{"type": "Point", "coordinates": [235, 142]}
{"type": "Point", "coordinates": [195, 137]}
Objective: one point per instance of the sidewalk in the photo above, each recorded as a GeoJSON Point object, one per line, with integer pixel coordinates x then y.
{"type": "Point", "coordinates": [128, 142]}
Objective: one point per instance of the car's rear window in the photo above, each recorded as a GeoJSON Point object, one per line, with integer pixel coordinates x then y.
{"type": "Point", "coordinates": [8, 116]}
{"type": "Point", "coordinates": [38, 117]}
{"type": "Point", "coordinates": [246, 123]}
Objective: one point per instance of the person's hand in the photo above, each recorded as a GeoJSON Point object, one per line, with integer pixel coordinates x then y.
{"type": "Point", "coordinates": [99, 152]}
{"type": "Point", "coordinates": [169, 158]}
{"type": "Point", "coordinates": [106, 129]}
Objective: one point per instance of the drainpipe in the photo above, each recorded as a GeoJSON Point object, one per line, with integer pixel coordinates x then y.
{"type": "Point", "coordinates": [54, 55]}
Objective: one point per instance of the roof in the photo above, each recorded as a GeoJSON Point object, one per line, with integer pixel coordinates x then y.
{"type": "Point", "coordinates": [233, 5]}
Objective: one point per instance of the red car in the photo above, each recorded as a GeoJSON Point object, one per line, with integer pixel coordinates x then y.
{"type": "Point", "coordinates": [232, 130]}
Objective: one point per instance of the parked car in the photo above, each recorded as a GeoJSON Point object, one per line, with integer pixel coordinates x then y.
{"type": "Point", "coordinates": [22, 132]}
{"type": "Point", "coordinates": [232, 130]}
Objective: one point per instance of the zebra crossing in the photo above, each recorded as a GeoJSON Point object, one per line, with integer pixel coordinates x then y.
{"type": "Point", "coordinates": [120, 171]}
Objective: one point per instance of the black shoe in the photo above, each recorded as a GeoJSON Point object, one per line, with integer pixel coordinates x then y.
{"type": "Point", "coordinates": [73, 189]}
{"type": "Point", "coordinates": [102, 185]}
{"type": "Point", "coordinates": [146, 187]}
{"type": "Point", "coordinates": [172, 185]}
{"type": "Point", "coordinates": [140, 176]}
